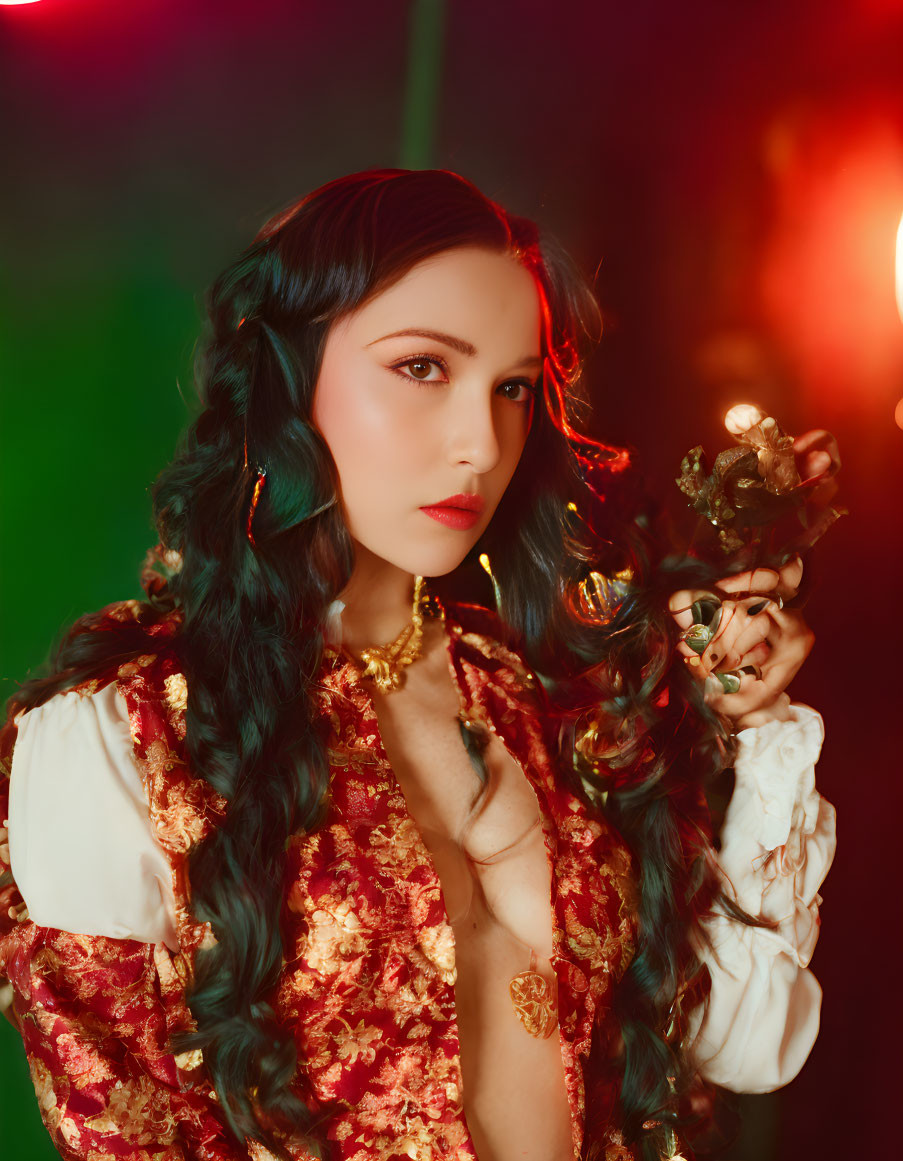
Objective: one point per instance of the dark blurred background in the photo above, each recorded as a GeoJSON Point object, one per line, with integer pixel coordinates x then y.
{"type": "Point", "coordinates": [731, 175]}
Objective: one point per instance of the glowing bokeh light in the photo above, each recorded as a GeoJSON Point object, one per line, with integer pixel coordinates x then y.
{"type": "Point", "coordinates": [827, 279]}
{"type": "Point", "coordinates": [15, 3]}
{"type": "Point", "coordinates": [900, 269]}
{"type": "Point", "coordinates": [898, 415]}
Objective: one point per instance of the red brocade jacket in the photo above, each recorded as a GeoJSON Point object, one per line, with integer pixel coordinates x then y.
{"type": "Point", "coordinates": [368, 986]}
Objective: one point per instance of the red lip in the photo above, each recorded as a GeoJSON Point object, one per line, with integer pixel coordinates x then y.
{"type": "Point", "coordinates": [461, 511]}
{"type": "Point", "coordinates": [466, 500]}
{"type": "Point", "coordinates": [459, 518]}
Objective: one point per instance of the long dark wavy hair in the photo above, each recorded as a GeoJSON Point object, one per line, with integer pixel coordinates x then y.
{"type": "Point", "coordinates": [636, 739]}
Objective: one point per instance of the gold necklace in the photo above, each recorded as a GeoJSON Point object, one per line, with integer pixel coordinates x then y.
{"type": "Point", "coordinates": [385, 664]}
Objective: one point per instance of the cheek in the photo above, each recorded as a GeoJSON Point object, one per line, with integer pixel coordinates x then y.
{"type": "Point", "coordinates": [373, 438]}
{"type": "Point", "coordinates": [513, 432]}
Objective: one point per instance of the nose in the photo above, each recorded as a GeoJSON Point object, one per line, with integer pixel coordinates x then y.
{"type": "Point", "coordinates": [473, 437]}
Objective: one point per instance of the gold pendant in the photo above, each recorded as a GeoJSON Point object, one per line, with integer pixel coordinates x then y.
{"type": "Point", "coordinates": [534, 1002]}
{"type": "Point", "coordinates": [385, 663]}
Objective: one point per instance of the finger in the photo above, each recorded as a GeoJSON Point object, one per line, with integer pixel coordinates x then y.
{"type": "Point", "coordinates": [734, 650]}
{"type": "Point", "coordinates": [791, 643]}
{"type": "Point", "coordinates": [681, 605]}
{"type": "Point", "coordinates": [763, 686]}
{"type": "Point", "coordinates": [748, 697]}
{"type": "Point", "coordinates": [750, 707]}
{"type": "Point", "coordinates": [817, 438]}
{"type": "Point", "coordinates": [782, 582]}
{"type": "Point", "coordinates": [693, 661]}
{"type": "Point", "coordinates": [757, 580]}
{"type": "Point", "coordinates": [817, 455]}
{"type": "Point", "coordinates": [752, 693]}
{"type": "Point", "coordinates": [816, 463]}
{"type": "Point", "coordinates": [709, 643]}
{"type": "Point", "coordinates": [743, 625]}
{"type": "Point", "coordinates": [791, 575]}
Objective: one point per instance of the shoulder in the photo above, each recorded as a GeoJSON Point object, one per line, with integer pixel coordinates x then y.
{"type": "Point", "coordinates": [84, 843]}
{"type": "Point", "coordinates": [82, 847]}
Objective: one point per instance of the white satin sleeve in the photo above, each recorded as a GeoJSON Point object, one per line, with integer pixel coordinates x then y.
{"type": "Point", "coordinates": [777, 843]}
{"type": "Point", "coordinates": [81, 842]}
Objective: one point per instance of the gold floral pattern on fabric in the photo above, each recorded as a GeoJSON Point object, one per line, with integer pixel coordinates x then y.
{"type": "Point", "coordinates": [95, 1021]}
{"type": "Point", "coordinates": [176, 691]}
{"type": "Point", "coordinates": [369, 973]}
{"type": "Point", "coordinates": [96, 1014]}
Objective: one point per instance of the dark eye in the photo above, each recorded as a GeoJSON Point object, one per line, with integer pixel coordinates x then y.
{"type": "Point", "coordinates": [520, 391]}
{"type": "Point", "coordinates": [420, 368]}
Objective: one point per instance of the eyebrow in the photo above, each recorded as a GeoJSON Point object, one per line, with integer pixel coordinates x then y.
{"type": "Point", "coordinates": [456, 344]}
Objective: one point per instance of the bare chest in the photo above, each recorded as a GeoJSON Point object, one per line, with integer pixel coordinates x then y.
{"type": "Point", "coordinates": [484, 834]}
{"type": "Point", "coordinates": [487, 846]}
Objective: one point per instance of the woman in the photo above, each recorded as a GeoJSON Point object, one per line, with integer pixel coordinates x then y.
{"type": "Point", "coordinates": [263, 899]}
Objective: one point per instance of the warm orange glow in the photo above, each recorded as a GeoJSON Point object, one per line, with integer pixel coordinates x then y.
{"type": "Point", "coordinates": [827, 275]}
{"type": "Point", "coordinates": [900, 269]}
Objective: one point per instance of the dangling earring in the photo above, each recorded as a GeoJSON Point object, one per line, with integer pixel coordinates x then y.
{"type": "Point", "coordinates": [484, 561]}
{"type": "Point", "coordinates": [255, 496]}
{"type": "Point", "coordinates": [258, 488]}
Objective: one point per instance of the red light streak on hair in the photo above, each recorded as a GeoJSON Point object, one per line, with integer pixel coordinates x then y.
{"type": "Point", "coordinates": [561, 365]}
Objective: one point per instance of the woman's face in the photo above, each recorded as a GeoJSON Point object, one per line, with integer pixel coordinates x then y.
{"type": "Point", "coordinates": [426, 393]}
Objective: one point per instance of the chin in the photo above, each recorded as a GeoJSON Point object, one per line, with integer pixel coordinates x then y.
{"type": "Point", "coordinates": [429, 564]}
{"type": "Point", "coordinates": [424, 560]}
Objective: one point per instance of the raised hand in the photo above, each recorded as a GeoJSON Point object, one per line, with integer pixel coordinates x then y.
{"type": "Point", "coordinates": [746, 646]}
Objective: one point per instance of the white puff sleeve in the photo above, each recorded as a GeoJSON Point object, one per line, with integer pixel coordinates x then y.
{"type": "Point", "coordinates": [81, 841]}
{"type": "Point", "coordinates": [777, 843]}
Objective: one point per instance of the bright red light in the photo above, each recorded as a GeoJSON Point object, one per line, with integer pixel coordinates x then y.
{"type": "Point", "coordinates": [827, 277]}
{"type": "Point", "coordinates": [900, 269]}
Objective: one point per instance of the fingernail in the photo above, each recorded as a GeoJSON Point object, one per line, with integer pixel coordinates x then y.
{"type": "Point", "coordinates": [753, 610]}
